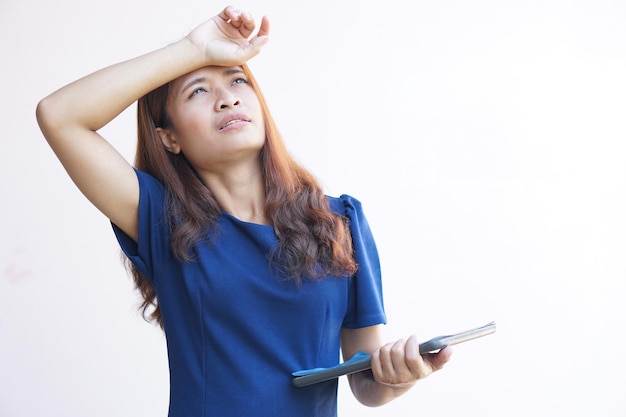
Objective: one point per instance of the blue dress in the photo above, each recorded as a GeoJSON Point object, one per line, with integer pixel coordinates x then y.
{"type": "Point", "coordinates": [235, 330]}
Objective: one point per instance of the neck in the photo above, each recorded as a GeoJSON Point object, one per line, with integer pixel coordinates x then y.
{"type": "Point", "coordinates": [240, 192]}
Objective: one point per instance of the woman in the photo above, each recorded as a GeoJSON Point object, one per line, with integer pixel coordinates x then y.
{"type": "Point", "coordinates": [250, 269]}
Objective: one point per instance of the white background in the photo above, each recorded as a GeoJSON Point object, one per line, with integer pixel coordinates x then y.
{"type": "Point", "coordinates": [486, 140]}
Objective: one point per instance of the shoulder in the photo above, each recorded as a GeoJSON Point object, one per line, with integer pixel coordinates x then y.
{"type": "Point", "coordinates": [148, 181]}
{"type": "Point", "coordinates": [344, 202]}
{"type": "Point", "coordinates": [152, 196]}
{"type": "Point", "coordinates": [150, 188]}
{"type": "Point", "coordinates": [345, 205]}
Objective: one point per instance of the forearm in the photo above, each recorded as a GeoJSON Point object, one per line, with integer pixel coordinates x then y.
{"type": "Point", "coordinates": [396, 366]}
{"type": "Point", "coordinates": [94, 100]}
{"type": "Point", "coordinates": [373, 394]}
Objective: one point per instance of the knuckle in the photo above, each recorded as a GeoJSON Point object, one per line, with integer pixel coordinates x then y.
{"type": "Point", "coordinates": [398, 347]}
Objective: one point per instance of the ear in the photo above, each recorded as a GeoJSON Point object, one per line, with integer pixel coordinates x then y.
{"type": "Point", "coordinates": [169, 140]}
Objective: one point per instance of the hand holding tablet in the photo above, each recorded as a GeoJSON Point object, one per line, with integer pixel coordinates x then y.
{"type": "Point", "coordinates": [361, 361]}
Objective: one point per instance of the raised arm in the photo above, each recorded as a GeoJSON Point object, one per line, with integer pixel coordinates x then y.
{"type": "Point", "coordinates": [70, 117]}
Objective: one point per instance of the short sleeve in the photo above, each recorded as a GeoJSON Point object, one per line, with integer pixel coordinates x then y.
{"type": "Point", "coordinates": [365, 304]}
{"type": "Point", "coordinates": [152, 246]}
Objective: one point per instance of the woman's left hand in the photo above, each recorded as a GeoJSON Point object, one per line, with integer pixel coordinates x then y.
{"type": "Point", "coordinates": [399, 364]}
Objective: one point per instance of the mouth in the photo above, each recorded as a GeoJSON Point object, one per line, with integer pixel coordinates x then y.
{"type": "Point", "coordinates": [234, 122]}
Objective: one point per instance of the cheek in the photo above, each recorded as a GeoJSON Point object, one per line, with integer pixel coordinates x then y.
{"type": "Point", "coordinates": [191, 125]}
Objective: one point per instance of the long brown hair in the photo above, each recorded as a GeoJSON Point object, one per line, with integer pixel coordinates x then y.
{"type": "Point", "coordinates": [313, 241]}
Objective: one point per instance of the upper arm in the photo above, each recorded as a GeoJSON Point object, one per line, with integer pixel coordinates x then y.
{"type": "Point", "coordinates": [365, 339]}
{"type": "Point", "coordinates": [100, 172]}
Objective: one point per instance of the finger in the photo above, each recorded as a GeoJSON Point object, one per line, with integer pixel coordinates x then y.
{"type": "Point", "coordinates": [226, 14]}
{"type": "Point", "coordinates": [397, 370]}
{"type": "Point", "coordinates": [386, 364]}
{"type": "Point", "coordinates": [376, 362]}
{"type": "Point", "coordinates": [262, 35]}
{"type": "Point", "coordinates": [408, 363]}
{"type": "Point", "coordinates": [398, 356]}
{"type": "Point", "coordinates": [412, 353]}
{"type": "Point", "coordinates": [264, 30]}
{"type": "Point", "coordinates": [236, 18]}
{"type": "Point", "coordinates": [247, 21]}
{"type": "Point", "coordinates": [420, 365]}
{"type": "Point", "coordinates": [439, 359]}
{"type": "Point", "coordinates": [246, 24]}
{"type": "Point", "coordinates": [383, 362]}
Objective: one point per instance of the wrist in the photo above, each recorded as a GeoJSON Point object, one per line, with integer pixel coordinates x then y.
{"type": "Point", "coordinates": [192, 54]}
{"type": "Point", "coordinates": [398, 385]}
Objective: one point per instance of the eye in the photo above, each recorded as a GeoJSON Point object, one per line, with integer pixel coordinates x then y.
{"type": "Point", "coordinates": [197, 91]}
{"type": "Point", "coordinates": [240, 80]}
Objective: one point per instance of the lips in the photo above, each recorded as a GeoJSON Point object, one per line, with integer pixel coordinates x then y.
{"type": "Point", "coordinates": [232, 121]}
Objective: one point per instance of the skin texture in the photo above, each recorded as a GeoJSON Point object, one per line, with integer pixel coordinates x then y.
{"type": "Point", "coordinates": [217, 123]}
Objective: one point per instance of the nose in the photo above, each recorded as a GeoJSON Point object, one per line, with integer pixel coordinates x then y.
{"type": "Point", "coordinates": [226, 100]}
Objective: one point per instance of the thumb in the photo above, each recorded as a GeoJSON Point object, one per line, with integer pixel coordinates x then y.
{"type": "Point", "coordinates": [259, 41]}
{"type": "Point", "coordinates": [439, 359]}
{"type": "Point", "coordinates": [262, 36]}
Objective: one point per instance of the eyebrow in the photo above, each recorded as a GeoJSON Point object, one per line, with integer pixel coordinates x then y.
{"type": "Point", "coordinates": [201, 79]}
{"type": "Point", "coordinates": [198, 80]}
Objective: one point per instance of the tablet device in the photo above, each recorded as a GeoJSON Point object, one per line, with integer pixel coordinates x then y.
{"type": "Point", "coordinates": [361, 361]}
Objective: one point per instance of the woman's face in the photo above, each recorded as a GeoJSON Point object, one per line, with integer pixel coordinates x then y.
{"type": "Point", "coordinates": [216, 118]}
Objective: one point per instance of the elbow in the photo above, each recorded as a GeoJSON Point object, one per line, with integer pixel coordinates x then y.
{"type": "Point", "coordinates": [44, 113]}
{"type": "Point", "coordinates": [50, 118]}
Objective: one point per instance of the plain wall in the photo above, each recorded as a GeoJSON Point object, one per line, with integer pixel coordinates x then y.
{"type": "Point", "coordinates": [485, 139]}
